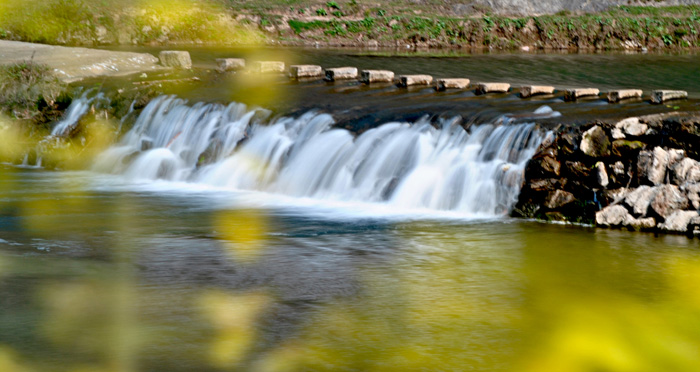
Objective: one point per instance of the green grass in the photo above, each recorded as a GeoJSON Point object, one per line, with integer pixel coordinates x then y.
{"type": "Point", "coordinates": [26, 87]}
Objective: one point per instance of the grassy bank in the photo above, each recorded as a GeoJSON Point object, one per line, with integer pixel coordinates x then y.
{"type": "Point", "coordinates": [27, 89]}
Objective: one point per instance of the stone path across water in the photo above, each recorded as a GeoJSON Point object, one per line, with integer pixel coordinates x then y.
{"type": "Point", "coordinates": [73, 64]}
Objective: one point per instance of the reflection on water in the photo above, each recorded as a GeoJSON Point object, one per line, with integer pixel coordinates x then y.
{"type": "Point", "coordinates": [97, 279]}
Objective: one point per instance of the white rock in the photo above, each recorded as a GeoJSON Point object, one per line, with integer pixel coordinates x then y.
{"type": "Point", "coordinates": [409, 80]}
{"type": "Point", "coordinates": [651, 165]}
{"type": "Point", "coordinates": [613, 215]}
{"type": "Point", "coordinates": [230, 64]}
{"type": "Point", "coordinates": [686, 170]}
{"type": "Point", "coordinates": [574, 94]}
{"type": "Point", "coordinates": [678, 221]}
{"type": "Point", "coordinates": [528, 91]}
{"type": "Point", "coordinates": [668, 199]}
{"type": "Point", "coordinates": [376, 76]}
{"type": "Point", "coordinates": [642, 223]}
{"type": "Point", "coordinates": [661, 96]}
{"type": "Point", "coordinates": [444, 84]}
{"type": "Point", "coordinates": [341, 73]}
{"type": "Point", "coordinates": [175, 58]}
{"type": "Point", "coordinates": [483, 88]}
{"type": "Point", "coordinates": [619, 95]}
{"type": "Point", "coordinates": [693, 193]}
{"type": "Point", "coordinates": [601, 174]}
{"type": "Point", "coordinates": [305, 71]}
{"type": "Point", "coordinates": [632, 127]}
{"type": "Point", "coordinates": [640, 198]}
{"type": "Point", "coordinates": [617, 133]}
{"type": "Point", "coordinates": [266, 67]}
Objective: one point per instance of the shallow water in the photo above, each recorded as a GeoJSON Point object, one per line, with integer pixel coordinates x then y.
{"type": "Point", "coordinates": [106, 272]}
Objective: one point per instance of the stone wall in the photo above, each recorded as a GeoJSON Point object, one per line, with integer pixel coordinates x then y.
{"type": "Point", "coordinates": [638, 173]}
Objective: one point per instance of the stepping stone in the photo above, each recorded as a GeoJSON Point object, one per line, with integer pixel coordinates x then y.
{"type": "Point", "coordinates": [268, 66]}
{"type": "Point", "coordinates": [341, 73]}
{"type": "Point", "coordinates": [408, 80]}
{"type": "Point", "coordinates": [528, 91]}
{"type": "Point", "coordinates": [377, 76]}
{"type": "Point", "coordinates": [230, 64]}
{"type": "Point", "coordinates": [175, 58]}
{"type": "Point", "coordinates": [621, 94]}
{"type": "Point", "coordinates": [483, 88]}
{"type": "Point", "coordinates": [574, 94]}
{"type": "Point", "coordinates": [661, 96]}
{"type": "Point", "coordinates": [305, 71]}
{"type": "Point", "coordinates": [444, 84]}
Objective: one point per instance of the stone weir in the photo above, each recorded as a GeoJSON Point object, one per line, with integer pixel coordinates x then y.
{"type": "Point", "coordinates": [640, 173]}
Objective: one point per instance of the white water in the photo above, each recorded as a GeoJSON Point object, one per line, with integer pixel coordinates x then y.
{"type": "Point", "coordinates": [78, 108]}
{"type": "Point", "coordinates": [397, 165]}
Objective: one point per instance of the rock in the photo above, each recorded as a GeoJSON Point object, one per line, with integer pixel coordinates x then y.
{"type": "Point", "coordinates": [686, 170]}
{"type": "Point", "coordinates": [678, 221]}
{"type": "Point", "coordinates": [693, 193]}
{"type": "Point", "coordinates": [266, 67]}
{"type": "Point", "coordinates": [613, 215]}
{"type": "Point", "coordinates": [528, 91]}
{"type": "Point", "coordinates": [341, 73]}
{"type": "Point", "coordinates": [305, 71]}
{"type": "Point", "coordinates": [619, 95]}
{"type": "Point", "coordinates": [638, 224]}
{"type": "Point", "coordinates": [675, 156]}
{"type": "Point", "coordinates": [651, 165]}
{"type": "Point", "coordinates": [574, 94]}
{"type": "Point", "coordinates": [617, 133]}
{"type": "Point", "coordinates": [668, 199]}
{"type": "Point", "coordinates": [558, 198]}
{"type": "Point", "coordinates": [640, 198]}
{"type": "Point", "coordinates": [444, 84]}
{"type": "Point", "coordinates": [545, 184]}
{"type": "Point", "coordinates": [577, 169]}
{"type": "Point", "coordinates": [175, 58]}
{"type": "Point", "coordinates": [376, 76]}
{"type": "Point", "coordinates": [614, 196]}
{"type": "Point", "coordinates": [483, 88]}
{"type": "Point", "coordinates": [408, 80]}
{"type": "Point", "coordinates": [601, 174]}
{"type": "Point", "coordinates": [618, 168]}
{"type": "Point", "coordinates": [595, 142]}
{"type": "Point", "coordinates": [623, 147]}
{"type": "Point", "coordinates": [661, 96]}
{"type": "Point", "coordinates": [230, 64]}
{"type": "Point", "coordinates": [632, 127]}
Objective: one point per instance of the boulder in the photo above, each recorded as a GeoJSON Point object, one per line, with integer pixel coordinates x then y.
{"type": "Point", "coordinates": [528, 91]}
{"type": "Point", "coordinates": [376, 76]}
{"type": "Point", "coordinates": [678, 221]}
{"type": "Point", "coordinates": [661, 96]}
{"type": "Point", "coordinates": [558, 198]}
{"type": "Point", "coordinates": [230, 64]}
{"type": "Point", "coordinates": [546, 184]}
{"type": "Point", "coordinates": [686, 170]}
{"type": "Point", "coordinates": [574, 94]}
{"type": "Point", "coordinates": [341, 73]}
{"type": "Point", "coordinates": [601, 174]}
{"type": "Point", "coordinates": [175, 58]}
{"type": "Point", "coordinates": [692, 191]}
{"type": "Point", "coordinates": [640, 198]}
{"type": "Point", "coordinates": [267, 67]}
{"type": "Point", "coordinates": [622, 147]}
{"type": "Point", "coordinates": [638, 224]}
{"type": "Point", "coordinates": [444, 84]}
{"type": "Point", "coordinates": [305, 71]}
{"type": "Point", "coordinates": [668, 199]}
{"type": "Point", "coordinates": [409, 80]}
{"type": "Point", "coordinates": [614, 196]}
{"type": "Point", "coordinates": [651, 166]}
{"type": "Point", "coordinates": [613, 215]}
{"type": "Point", "coordinates": [619, 95]}
{"type": "Point", "coordinates": [595, 142]}
{"type": "Point", "coordinates": [483, 88]}
{"type": "Point", "coordinates": [617, 133]}
{"type": "Point", "coordinates": [632, 127]}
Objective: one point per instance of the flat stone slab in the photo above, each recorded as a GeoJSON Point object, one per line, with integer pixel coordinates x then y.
{"type": "Point", "coordinates": [622, 94]}
{"type": "Point", "coordinates": [230, 64]}
{"type": "Point", "coordinates": [574, 94]}
{"type": "Point", "coordinates": [661, 96]}
{"type": "Point", "coordinates": [175, 58]}
{"type": "Point", "coordinates": [483, 88]}
{"type": "Point", "coordinates": [74, 64]}
{"type": "Point", "coordinates": [528, 91]}
{"type": "Point", "coordinates": [376, 76]}
{"type": "Point", "coordinates": [305, 71]}
{"type": "Point", "coordinates": [267, 67]}
{"type": "Point", "coordinates": [409, 80]}
{"type": "Point", "coordinates": [454, 83]}
{"type": "Point", "coordinates": [341, 73]}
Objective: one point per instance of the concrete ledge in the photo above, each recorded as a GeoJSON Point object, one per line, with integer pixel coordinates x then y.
{"type": "Point", "coordinates": [230, 64]}
{"type": "Point", "coordinates": [408, 80]}
{"type": "Point", "coordinates": [305, 71]}
{"type": "Point", "coordinates": [661, 96]}
{"type": "Point", "coordinates": [574, 94]}
{"type": "Point", "coordinates": [341, 73]}
{"type": "Point", "coordinates": [456, 83]}
{"type": "Point", "coordinates": [376, 76]}
{"type": "Point", "coordinates": [175, 58]}
{"type": "Point", "coordinates": [528, 91]}
{"type": "Point", "coordinates": [483, 88]}
{"type": "Point", "coordinates": [265, 67]}
{"type": "Point", "coordinates": [619, 95]}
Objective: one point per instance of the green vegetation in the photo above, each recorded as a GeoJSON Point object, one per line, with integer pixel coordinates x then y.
{"type": "Point", "coordinates": [27, 87]}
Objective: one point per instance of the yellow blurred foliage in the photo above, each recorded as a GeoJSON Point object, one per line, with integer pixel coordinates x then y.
{"type": "Point", "coordinates": [9, 361]}
{"type": "Point", "coordinates": [243, 232]}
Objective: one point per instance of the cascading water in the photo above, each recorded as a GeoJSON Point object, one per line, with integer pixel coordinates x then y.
{"type": "Point", "coordinates": [78, 108]}
{"type": "Point", "coordinates": [409, 165]}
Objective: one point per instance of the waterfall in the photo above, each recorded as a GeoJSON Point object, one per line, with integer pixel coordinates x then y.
{"type": "Point", "coordinates": [409, 165]}
{"type": "Point", "coordinates": [77, 109]}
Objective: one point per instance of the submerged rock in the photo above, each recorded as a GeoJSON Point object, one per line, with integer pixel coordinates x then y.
{"type": "Point", "coordinates": [595, 142]}
{"type": "Point", "coordinates": [668, 199]}
{"type": "Point", "coordinates": [678, 221]}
